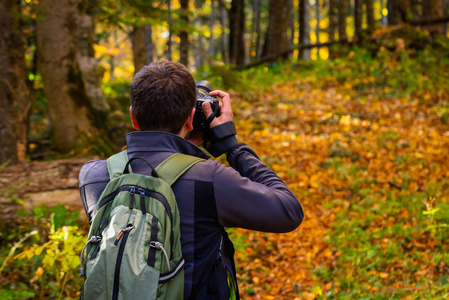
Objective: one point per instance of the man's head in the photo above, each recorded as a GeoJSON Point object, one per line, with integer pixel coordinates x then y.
{"type": "Point", "coordinates": [163, 95]}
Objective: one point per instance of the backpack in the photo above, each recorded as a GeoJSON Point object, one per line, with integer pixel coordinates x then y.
{"type": "Point", "coordinates": [134, 248]}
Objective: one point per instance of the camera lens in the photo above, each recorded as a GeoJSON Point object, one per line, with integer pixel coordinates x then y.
{"type": "Point", "coordinates": [203, 88]}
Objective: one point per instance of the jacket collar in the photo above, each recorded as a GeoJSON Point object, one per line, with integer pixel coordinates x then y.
{"type": "Point", "coordinates": [159, 141]}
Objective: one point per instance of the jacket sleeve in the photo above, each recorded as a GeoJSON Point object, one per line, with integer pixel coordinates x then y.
{"type": "Point", "coordinates": [93, 179]}
{"type": "Point", "coordinates": [250, 195]}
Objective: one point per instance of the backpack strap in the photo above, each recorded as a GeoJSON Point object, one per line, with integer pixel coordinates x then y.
{"type": "Point", "coordinates": [116, 164]}
{"type": "Point", "coordinates": [175, 165]}
{"type": "Point", "coordinates": [169, 170]}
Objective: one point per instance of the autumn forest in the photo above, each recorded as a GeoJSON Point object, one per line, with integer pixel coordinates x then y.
{"type": "Point", "coordinates": [346, 100]}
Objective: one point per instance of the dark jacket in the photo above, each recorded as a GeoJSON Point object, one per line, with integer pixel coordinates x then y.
{"type": "Point", "coordinates": [210, 197]}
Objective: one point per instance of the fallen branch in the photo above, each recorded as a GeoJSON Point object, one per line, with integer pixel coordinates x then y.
{"type": "Point", "coordinates": [429, 21]}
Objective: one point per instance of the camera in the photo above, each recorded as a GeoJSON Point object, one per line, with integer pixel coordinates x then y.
{"type": "Point", "coordinates": [203, 89]}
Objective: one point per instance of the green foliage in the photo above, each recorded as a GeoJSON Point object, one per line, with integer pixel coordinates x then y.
{"type": "Point", "coordinates": [240, 240]}
{"type": "Point", "coordinates": [376, 240]}
{"type": "Point", "coordinates": [131, 12]}
{"type": "Point", "coordinates": [42, 256]}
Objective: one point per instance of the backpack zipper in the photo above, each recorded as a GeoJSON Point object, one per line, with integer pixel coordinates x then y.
{"type": "Point", "coordinates": [123, 235]}
{"type": "Point", "coordinates": [159, 246]}
{"type": "Point", "coordinates": [132, 191]}
{"type": "Point", "coordinates": [143, 207]}
{"type": "Point", "coordinates": [100, 234]}
{"type": "Point", "coordinates": [94, 239]}
{"type": "Point", "coordinates": [148, 193]}
{"type": "Point", "coordinates": [151, 259]}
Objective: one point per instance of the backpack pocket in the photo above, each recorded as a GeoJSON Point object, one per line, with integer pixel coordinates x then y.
{"type": "Point", "coordinates": [118, 270]}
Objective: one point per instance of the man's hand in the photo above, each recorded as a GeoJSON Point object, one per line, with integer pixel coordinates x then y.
{"type": "Point", "coordinates": [225, 109]}
{"type": "Point", "coordinates": [221, 136]}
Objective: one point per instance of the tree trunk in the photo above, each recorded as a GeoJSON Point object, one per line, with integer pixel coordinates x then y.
{"type": "Point", "coordinates": [224, 40]}
{"type": "Point", "coordinates": [384, 18]}
{"type": "Point", "coordinates": [169, 42]}
{"type": "Point", "coordinates": [236, 31]}
{"type": "Point", "coordinates": [369, 5]}
{"type": "Point", "coordinates": [257, 33]}
{"type": "Point", "coordinates": [433, 9]}
{"type": "Point", "coordinates": [199, 56]}
{"type": "Point", "coordinates": [183, 35]}
{"type": "Point", "coordinates": [291, 24]}
{"type": "Point", "coordinates": [84, 12]}
{"type": "Point", "coordinates": [400, 12]}
{"type": "Point", "coordinates": [304, 29]}
{"type": "Point", "coordinates": [332, 19]}
{"type": "Point", "coordinates": [358, 18]}
{"type": "Point", "coordinates": [446, 5]}
{"type": "Point", "coordinates": [317, 28]}
{"type": "Point", "coordinates": [138, 47]}
{"type": "Point", "coordinates": [14, 94]}
{"type": "Point", "coordinates": [333, 13]}
{"type": "Point", "coordinates": [149, 45]}
{"type": "Point", "coordinates": [342, 14]}
{"type": "Point", "coordinates": [211, 47]}
{"type": "Point", "coordinates": [69, 103]}
{"type": "Point", "coordinates": [277, 39]}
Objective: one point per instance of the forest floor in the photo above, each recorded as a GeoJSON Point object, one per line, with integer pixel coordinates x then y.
{"type": "Point", "coordinates": [370, 170]}
{"type": "Point", "coordinates": [44, 182]}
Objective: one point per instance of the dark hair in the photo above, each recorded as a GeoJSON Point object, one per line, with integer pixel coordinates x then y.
{"type": "Point", "coordinates": [162, 96]}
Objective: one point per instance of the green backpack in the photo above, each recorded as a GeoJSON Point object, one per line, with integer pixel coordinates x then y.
{"type": "Point", "coordinates": [134, 248]}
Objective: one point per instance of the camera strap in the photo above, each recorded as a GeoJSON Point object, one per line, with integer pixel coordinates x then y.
{"type": "Point", "coordinates": [215, 111]}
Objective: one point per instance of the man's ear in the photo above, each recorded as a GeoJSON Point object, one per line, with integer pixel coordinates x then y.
{"type": "Point", "coordinates": [189, 122]}
{"type": "Point", "coordinates": [133, 118]}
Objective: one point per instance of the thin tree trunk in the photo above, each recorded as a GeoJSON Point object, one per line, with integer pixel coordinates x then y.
{"type": "Point", "coordinates": [446, 5]}
{"type": "Point", "coordinates": [370, 14]}
{"type": "Point", "coordinates": [257, 33]}
{"type": "Point", "coordinates": [211, 47]}
{"type": "Point", "coordinates": [332, 19]}
{"type": "Point", "coordinates": [276, 38]}
{"type": "Point", "coordinates": [138, 47]}
{"type": "Point", "coordinates": [333, 13]}
{"type": "Point", "coordinates": [199, 56]}
{"type": "Point", "coordinates": [317, 28]}
{"type": "Point", "coordinates": [304, 29]}
{"type": "Point", "coordinates": [384, 18]}
{"type": "Point", "coordinates": [237, 29]}
{"type": "Point", "coordinates": [434, 9]}
{"type": "Point", "coordinates": [224, 40]}
{"type": "Point", "coordinates": [342, 14]}
{"type": "Point", "coordinates": [14, 94]}
{"type": "Point", "coordinates": [169, 42]}
{"type": "Point", "coordinates": [358, 18]}
{"type": "Point", "coordinates": [69, 104]}
{"type": "Point", "coordinates": [149, 45]}
{"type": "Point", "coordinates": [291, 24]}
{"type": "Point", "coordinates": [184, 35]}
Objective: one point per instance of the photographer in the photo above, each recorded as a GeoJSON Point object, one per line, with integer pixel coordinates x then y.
{"type": "Point", "coordinates": [210, 196]}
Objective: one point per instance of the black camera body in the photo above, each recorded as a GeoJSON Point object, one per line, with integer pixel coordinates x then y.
{"type": "Point", "coordinates": [200, 122]}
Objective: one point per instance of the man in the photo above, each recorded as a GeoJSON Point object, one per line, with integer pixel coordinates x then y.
{"type": "Point", "coordinates": [210, 195]}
